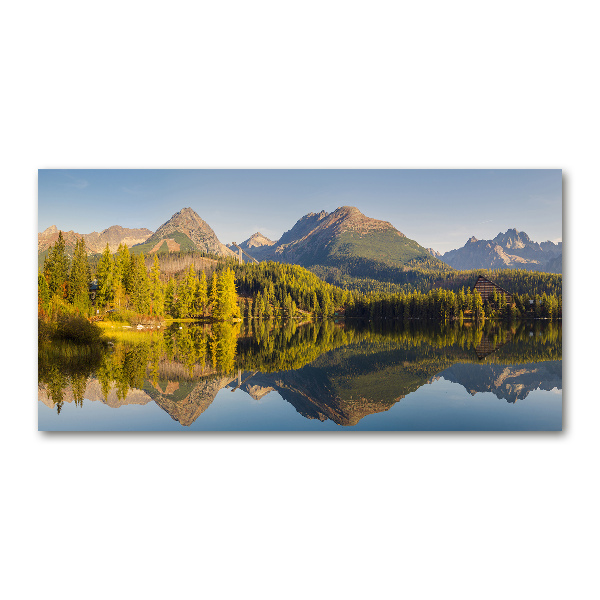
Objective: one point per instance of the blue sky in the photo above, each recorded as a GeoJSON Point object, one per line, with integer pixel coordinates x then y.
{"type": "Point", "coordinates": [440, 209]}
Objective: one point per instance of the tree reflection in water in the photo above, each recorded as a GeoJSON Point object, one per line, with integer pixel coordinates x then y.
{"type": "Point", "coordinates": [326, 370]}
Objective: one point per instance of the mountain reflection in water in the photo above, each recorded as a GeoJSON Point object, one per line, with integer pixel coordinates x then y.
{"type": "Point", "coordinates": [325, 371]}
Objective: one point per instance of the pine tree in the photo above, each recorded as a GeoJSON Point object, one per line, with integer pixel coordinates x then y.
{"type": "Point", "coordinates": [225, 306]}
{"type": "Point", "coordinates": [56, 268]}
{"type": "Point", "coordinates": [201, 299]}
{"type": "Point", "coordinates": [212, 295]}
{"type": "Point", "coordinates": [140, 286]}
{"type": "Point", "coordinates": [157, 298]}
{"type": "Point", "coordinates": [186, 293]}
{"type": "Point", "coordinates": [104, 275]}
{"type": "Point", "coordinates": [122, 266]}
{"type": "Point", "coordinates": [170, 307]}
{"type": "Point", "coordinates": [477, 305]}
{"type": "Point", "coordinates": [79, 279]}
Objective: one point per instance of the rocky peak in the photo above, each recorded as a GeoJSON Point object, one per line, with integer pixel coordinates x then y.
{"type": "Point", "coordinates": [257, 239]}
{"type": "Point", "coordinates": [349, 218]}
{"type": "Point", "coordinates": [513, 239]}
{"type": "Point", "coordinates": [513, 249]}
{"type": "Point", "coordinates": [433, 252]}
{"type": "Point", "coordinates": [188, 222]}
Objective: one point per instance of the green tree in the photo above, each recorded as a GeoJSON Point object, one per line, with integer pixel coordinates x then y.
{"type": "Point", "coordinates": [225, 306]}
{"type": "Point", "coordinates": [56, 268]}
{"type": "Point", "coordinates": [157, 297]}
{"type": "Point", "coordinates": [122, 267]}
{"type": "Point", "coordinates": [170, 307]}
{"type": "Point", "coordinates": [186, 293]}
{"type": "Point", "coordinates": [79, 279]}
{"type": "Point", "coordinates": [140, 286]}
{"type": "Point", "coordinates": [477, 305]}
{"type": "Point", "coordinates": [104, 275]}
{"type": "Point", "coordinates": [201, 299]}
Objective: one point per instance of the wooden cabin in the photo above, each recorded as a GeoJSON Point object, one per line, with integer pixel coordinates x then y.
{"type": "Point", "coordinates": [93, 288]}
{"type": "Point", "coordinates": [486, 288]}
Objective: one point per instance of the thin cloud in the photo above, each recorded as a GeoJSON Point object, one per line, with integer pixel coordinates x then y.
{"type": "Point", "coordinates": [76, 183]}
{"type": "Point", "coordinates": [134, 189]}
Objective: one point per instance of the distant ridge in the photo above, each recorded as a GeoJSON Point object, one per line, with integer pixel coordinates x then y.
{"type": "Point", "coordinates": [94, 242]}
{"type": "Point", "coordinates": [256, 240]}
{"type": "Point", "coordinates": [511, 250]}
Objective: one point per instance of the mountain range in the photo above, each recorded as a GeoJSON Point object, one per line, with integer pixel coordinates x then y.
{"type": "Point", "coordinates": [95, 242]}
{"type": "Point", "coordinates": [511, 250]}
{"type": "Point", "coordinates": [343, 240]}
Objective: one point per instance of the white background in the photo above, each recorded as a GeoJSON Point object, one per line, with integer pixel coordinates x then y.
{"type": "Point", "coordinates": [312, 84]}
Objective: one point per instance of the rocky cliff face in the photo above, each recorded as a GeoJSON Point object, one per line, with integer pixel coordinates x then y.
{"type": "Point", "coordinates": [510, 250]}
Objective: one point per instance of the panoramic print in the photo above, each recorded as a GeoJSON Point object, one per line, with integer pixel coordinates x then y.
{"type": "Point", "coordinates": [299, 300]}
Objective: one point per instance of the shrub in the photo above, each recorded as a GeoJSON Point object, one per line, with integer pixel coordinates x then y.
{"type": "Point", "coordinates": [133, 318]}
{"type": "Point", "coordinates": [77, 329]}
{"type": "Point", "coordinates": [45, 331]}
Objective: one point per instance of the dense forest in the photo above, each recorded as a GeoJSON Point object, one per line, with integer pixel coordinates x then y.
{"type": "Point", "coordinates": [124, 287]}
{"type": "Point", "coordinates": [377, 278]}
{"type": "Point", "coordinates": [446, 305]}
{"type": "Point", "coordinates": [136, 289]}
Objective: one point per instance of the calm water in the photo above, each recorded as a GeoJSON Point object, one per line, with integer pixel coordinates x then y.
{"type": "Point", "coordinates": [322, 376]}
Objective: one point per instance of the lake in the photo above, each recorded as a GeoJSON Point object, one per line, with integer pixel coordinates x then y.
{"type": "Point", "coordinates": [353, 376]}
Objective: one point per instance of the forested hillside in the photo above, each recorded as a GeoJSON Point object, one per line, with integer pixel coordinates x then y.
{"type": "Point", "coordinates": [196, 285]}
{"type": "Point", "coordinates": [424, 279]}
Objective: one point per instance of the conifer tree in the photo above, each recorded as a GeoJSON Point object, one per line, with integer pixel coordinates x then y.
{"type": "Point", "coordinates": [477, 305]}
{"type": "Point", "coordinates": [170, 298]}
{"type": "Point", "coordinates": [104, 275]}
{"type": "Point", "coordinates": [122, 266]}
{"type": "Point", "coordinates": [140, 286]}
{"type": "Point", "coordinates": [201, 300]}
{"type": "Point", "coordinates": [212, 295]}
{"type": "Point", "coordinates": [56, 268]}
{"type": "Point", "coordinates": [79, 279]}
{"type": "Point", "coordinates": [157, 298]}
{"type": "Point", "coordinates": [186, 293]}
{"type": "Point", "coordinates": [225, 306]}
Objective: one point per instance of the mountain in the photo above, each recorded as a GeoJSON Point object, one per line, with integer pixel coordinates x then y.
{"type": "Point", "coordinates": [95, 242]}
{"type": "Point", "coordinates": [255, 244]}
{"type": "Point", "coordinates": [257, 240]}
{"type": "Point", "coordinates": [184, 231]}
{"type": "Point", "coordinates": [347, 239]}
{"type": "Point", "coordinates": [510, 250]}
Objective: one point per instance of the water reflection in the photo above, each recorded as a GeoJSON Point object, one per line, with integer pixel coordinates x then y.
{"type": "Point", "coordinates": [326, 371]}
